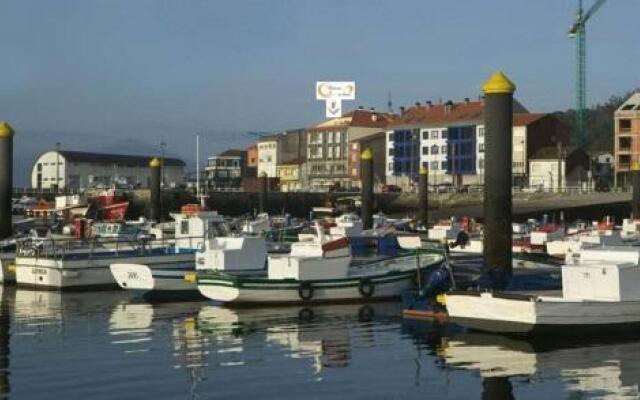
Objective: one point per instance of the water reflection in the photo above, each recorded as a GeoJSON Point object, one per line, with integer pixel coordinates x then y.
{"type": "Point", "coordinates": [5, 341]}
{"type": "Point", "coordinates": [602, 370]}
{"type": "Point", "coordinates": [321, 334]}
{"type": "Point", "coordinates": [110, 344]}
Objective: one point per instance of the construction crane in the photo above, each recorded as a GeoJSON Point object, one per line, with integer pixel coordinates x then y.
{"type": "Point", "coordinates": [577, 31]}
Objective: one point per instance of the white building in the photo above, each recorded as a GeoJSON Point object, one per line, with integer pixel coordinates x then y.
{"type": "Point", "coordinates": [428, 135]}
{"type": "Point", "coordinates": [268, 157]}
{"type": "Point", "coordinates": [77, 170]}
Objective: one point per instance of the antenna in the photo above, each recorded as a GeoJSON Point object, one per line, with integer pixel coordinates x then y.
{"type": "Point", "coordinates": [389, 103]}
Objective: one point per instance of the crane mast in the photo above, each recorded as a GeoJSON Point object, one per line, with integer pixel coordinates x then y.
{"type": "Point", "coordinates": [578, 31]}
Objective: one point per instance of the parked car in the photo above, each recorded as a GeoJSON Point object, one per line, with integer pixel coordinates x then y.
{"type": "Point", "coordinates": [391, 189]}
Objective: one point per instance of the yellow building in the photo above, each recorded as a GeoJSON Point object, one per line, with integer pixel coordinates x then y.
{"type": "Point", "coordinates": [289, 175]}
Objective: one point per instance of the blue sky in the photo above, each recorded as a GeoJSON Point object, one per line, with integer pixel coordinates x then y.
{"type": "Point", "coordinates": [123, 75]}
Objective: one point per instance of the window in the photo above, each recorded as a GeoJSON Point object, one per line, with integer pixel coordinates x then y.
{"type": "Point", "coordinates": [425, 164]}
{"type": "Point", "coordinates": [624, 125]}
{"type": "Point", "coordinates": [425, 150]}
{"type": "Point", "coordinates": [481, 163]}
{"type": "Point", "coordinates": [425, 135]}
{"type": "Point", "coordinates": [443, 165]}
{"type": "Point", "coordinates": [390, 136]}
{"type": "Point", "coordinates": [391, 151]}
{"type": "Point", "coordinates": [337, 137]}
{"type": "Point", "coordinates": [184, 227]}
{"type": "Point", "coordinates": [434, 166]}
{"type": "Point", "coordinates": [434, 149]}
{"type": "Point", "coordinates": [481, 131]}
{"type": "Point", "coordinates": [481, 147]}
{"type": "Point", "coordinates": [390, 166]}
{"type": "Point", "coordinates": [443, 134]}
{"type": "Point", "coordinates": [434, 134]}
{"type": "Point", "coordinates": [443, 149]}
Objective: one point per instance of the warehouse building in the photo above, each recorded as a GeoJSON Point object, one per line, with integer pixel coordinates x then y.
{"type": "Point", "coordinates": [76, 170]}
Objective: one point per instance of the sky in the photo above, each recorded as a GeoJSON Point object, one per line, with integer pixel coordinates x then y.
{"type": "Point", "coordinates": [124, 75]}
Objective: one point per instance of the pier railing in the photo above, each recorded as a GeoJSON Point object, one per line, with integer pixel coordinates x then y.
{"type": "Point", "coordinates": [60, 248]}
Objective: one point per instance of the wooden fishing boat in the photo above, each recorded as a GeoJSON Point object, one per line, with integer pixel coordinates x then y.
{"type": "Point", "coordinates": [317, 270]}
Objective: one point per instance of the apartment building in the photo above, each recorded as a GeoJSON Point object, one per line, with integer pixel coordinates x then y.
{"type": "Point", "coordinates": [448, 139]}
{"type": "Point", "coordinates": [327, 146]}
{"type": "Point", "coordinates": [627, 138]}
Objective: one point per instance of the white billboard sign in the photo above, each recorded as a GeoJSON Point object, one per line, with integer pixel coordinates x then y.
{"type": "Point", "coordinates": [335, 90]}
{"type": "Point", "coordinates": [334, 108]}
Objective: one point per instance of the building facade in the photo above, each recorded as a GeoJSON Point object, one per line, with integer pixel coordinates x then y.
{"type": "Point", "coordinates": [328, 162]}
{"type": "Point", "coordinates": [449, 140]}
{"type": "Point", "coordinates": [267, 156]}
{"type": "Point", "coordinates": [289, 177]}
{"type": "Point", "coordinates": [376, 143]}
{"type": "Point", "coordinates": [626, 138]}
{"type": "Point", "coordinates": [75, 170]}
{"type": "Point", "coordinates": [226, 170]}
{"type": "Point", "coordinates": [553, 169]}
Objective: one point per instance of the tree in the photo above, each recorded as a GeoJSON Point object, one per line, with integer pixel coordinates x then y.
{"type": "Point", "coordinates": [598, 122]}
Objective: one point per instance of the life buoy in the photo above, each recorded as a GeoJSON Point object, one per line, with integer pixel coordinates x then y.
{"type": "Point", "coordinates": [305, 291]}
{"type": "Point", "coordinates": [366, 288]}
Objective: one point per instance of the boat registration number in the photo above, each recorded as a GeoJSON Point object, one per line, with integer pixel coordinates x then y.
{"type": "Point", "coordinates": [39, 271]}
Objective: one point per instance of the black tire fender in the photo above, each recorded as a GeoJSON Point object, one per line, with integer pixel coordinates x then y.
{"type": "Point", "coordinates": [366, 288]}
{"type": "Point", "coordinates": [305, 291]}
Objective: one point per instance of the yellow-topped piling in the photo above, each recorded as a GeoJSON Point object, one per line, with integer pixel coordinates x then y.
{"type": "Point", "coordinates": [498, 83]}
{"type": "Point", "coordinates": [5, 129]}
{"type": "Point", "coordinates": [155, 162]}
{"type": "Point", "coordinates": [367, 154]}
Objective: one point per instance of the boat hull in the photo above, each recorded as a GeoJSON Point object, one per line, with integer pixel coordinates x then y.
{"type": "Point", "coordinates": [522, 314]}
{"type": "Point", "coordinates": [261, 291]}
{"type": "Point", "coordinates": [56, 274]}
{"type": "Point", "coordinates": [7, 268]}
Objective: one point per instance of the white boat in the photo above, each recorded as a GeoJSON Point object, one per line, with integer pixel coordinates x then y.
{"type": "Point", "coordinates": [193, 229]}
{"type": "Point", "coordinates": [545, 233]}
{"type": "Point", "coordinates": [346, 225]}
{"type": "Point", "coordinates": [597, 295]}
{"type": "Point", "coordinates": [258, 226]}
{"type": "Point", "coordinates": [572, 244]}
{"type": "Point", "coordinates": [317, 270]}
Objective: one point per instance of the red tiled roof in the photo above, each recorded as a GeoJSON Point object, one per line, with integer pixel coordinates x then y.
{"type": "Point", "coordinates": [356, 118]}
{"type": "Point", "coordinates": [441, 114]}
{"type": "Point", "coordinates": [371, 119]}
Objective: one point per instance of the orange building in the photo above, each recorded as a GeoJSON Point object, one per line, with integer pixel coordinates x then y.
{"type": "Point", "coordinates": [627, 138]}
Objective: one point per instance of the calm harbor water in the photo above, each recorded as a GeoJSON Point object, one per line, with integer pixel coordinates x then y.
{"type": "Point", "coordinates": [110, 345]}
